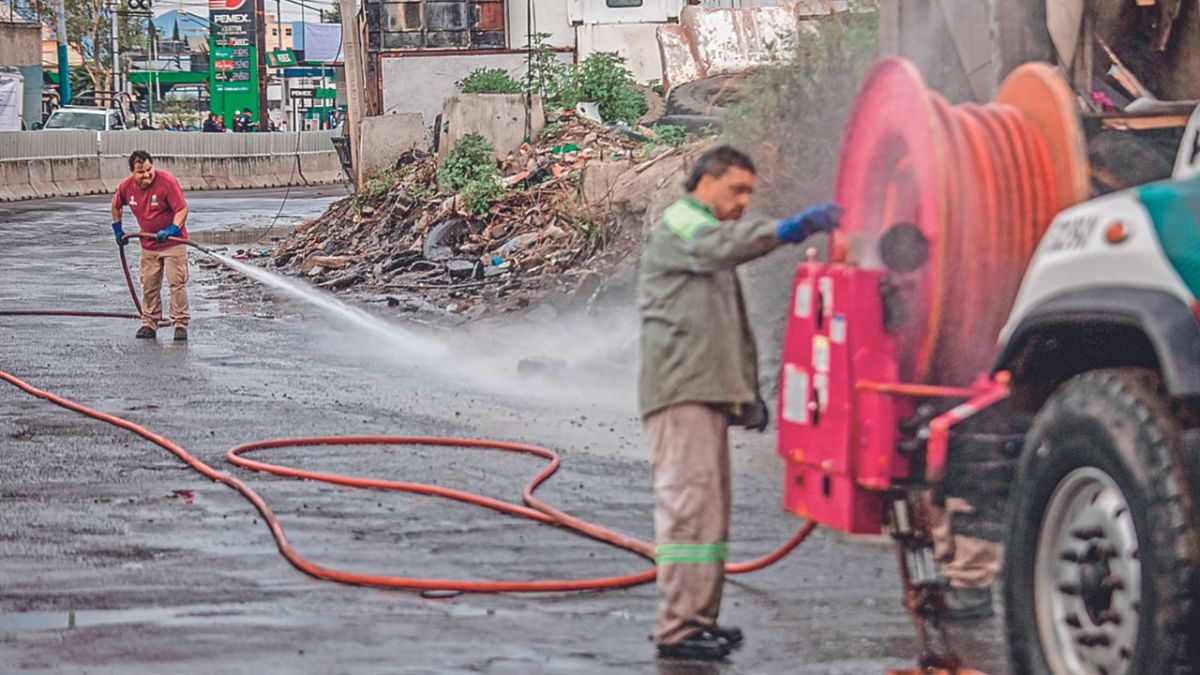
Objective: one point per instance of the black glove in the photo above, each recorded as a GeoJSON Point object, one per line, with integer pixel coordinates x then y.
{"type": "Point", "coordinates": [755, 416]}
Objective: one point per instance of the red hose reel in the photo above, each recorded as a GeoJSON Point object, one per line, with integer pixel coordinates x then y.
{"type": "Point", "coordinates": [944, 208]}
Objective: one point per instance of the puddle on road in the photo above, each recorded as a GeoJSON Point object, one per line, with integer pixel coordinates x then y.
{"type": "Point", "coordinates": [243, 235]}
{"type": "Point", "coordinates": [194, 615]}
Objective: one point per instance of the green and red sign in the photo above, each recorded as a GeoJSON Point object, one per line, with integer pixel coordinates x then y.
{"type": "Point", "coordinates": [233, 65]}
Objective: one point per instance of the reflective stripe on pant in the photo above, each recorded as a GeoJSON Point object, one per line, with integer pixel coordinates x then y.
{"type": "Point", "coordinates": [174, 261]}
{"type": "Point", "coordinates": [967, 562]}
{"type": "Point", "coordinates": [691, 516]}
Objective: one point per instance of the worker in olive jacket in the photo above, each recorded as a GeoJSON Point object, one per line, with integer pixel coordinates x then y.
{"type": "Point", "coordinates": [700, 374]}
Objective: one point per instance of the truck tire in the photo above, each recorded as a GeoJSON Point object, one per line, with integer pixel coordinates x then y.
{"type": "Point", "coordinates": [710, 97]}
{"type": "Point", "coordinates": [695, 124]}
{"type": "Point", "coordinates": [1098, 574]}
{"type": "Point", "coordinates": [656, 106]}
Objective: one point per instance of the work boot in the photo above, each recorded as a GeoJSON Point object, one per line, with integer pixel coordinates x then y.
{"type": "Point", "coordinates": [966, 604]}
{"type": "Point", "coordinates": [181, 334]}
{"type": "Point", "coordinates": [145, 333]}
{"type": "Point", "coordinates": [701, 645]}
{"type": "Point", "coordinates": [730, 634]}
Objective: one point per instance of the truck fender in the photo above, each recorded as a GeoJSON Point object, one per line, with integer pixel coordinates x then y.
{"type": "Point", "coordinates": [1170, 326]}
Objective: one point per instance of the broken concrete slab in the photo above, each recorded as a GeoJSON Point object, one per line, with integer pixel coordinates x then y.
{"type": "Point", "coordinates": [502, 119]}
{"type": "Point", "coordinates": [386, 137]}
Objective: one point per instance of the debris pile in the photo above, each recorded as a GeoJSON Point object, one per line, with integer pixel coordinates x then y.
{"type": "Point", "coordinates": [401, 240]}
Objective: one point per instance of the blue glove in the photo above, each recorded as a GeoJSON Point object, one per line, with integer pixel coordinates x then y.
{"type": "Point", "coordinates": [118, 233]}
{"type": "Point", "coordinates": [821, 217]}
{"type": "Point", "coordinates": [172, 231]}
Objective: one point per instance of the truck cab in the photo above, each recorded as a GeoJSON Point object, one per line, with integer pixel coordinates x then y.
{"type": "Point", "coordinates": [88, 118]}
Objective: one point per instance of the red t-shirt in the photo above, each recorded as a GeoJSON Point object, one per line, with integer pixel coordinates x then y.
{"type": "Point", "coordinates": [154, 206]}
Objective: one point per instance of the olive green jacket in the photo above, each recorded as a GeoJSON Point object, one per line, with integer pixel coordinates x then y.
{"type": "Point", "coordinates": [696, 341]}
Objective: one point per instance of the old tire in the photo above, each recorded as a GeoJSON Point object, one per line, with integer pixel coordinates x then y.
{"type": "Point", "coordinates": [710, 97]}
{"type": "Point", "coordinates": [656, 106]}
{"type": "Point", "coordinates": [1097, 573]}
{"type": "Point", "coordinates": [695, 124]}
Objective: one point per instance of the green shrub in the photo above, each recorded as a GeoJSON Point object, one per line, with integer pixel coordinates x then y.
{"type": "Point", "coordinates": [472, 158]}
{"type": "Point", "coordinates": [479, 195]}
{"type": "Point", "coordinates": [542, 66]}
{"type": "Point", "coordinates": [603, 78]}
{"type": "Point", "coordinates": [376, 188]}
{"type": "Point", "coordinates": [489, 81]}
{"type": "Point", "coordinates": [672, 135]}
{"type": "Point", "coordinates": [470, 170]}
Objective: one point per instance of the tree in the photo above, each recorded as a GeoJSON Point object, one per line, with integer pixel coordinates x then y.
{"type": "Point", "coordinates": [332, 15]}
{"type": "Point", "coordinates": [89, 26]}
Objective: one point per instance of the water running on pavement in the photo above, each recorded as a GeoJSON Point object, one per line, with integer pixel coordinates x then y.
{"type": "Point", "coordinates": [398, 337]}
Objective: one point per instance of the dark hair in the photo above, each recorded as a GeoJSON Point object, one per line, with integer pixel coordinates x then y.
{"type": "Point", "coordinates": [139, 156]}
{"type": "Point", "coordinates": [716, 162]}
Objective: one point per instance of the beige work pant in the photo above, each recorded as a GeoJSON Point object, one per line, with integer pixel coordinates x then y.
{"type": "Point", "coordinates": [174, 261]}
{"type": "Point", "coordinates": [967, 562]}
{"type": "Point", "coordinates": [691, 516]}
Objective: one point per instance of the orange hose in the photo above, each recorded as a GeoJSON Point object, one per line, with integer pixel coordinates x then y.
{"type": "Point", "coordinates": [539, 512]}
{"type": "Point", "coordinates": [982, 182]}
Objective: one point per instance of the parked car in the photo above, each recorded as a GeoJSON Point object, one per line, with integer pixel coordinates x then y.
{"type": "Point", "coordinates": [85, 117]}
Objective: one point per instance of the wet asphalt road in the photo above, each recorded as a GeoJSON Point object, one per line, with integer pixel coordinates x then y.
{"type": "Point", "coordinates": [114, 558]}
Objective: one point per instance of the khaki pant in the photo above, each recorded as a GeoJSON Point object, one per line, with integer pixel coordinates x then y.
{"type": "Point", "coordinates": [691, 516]}
{"type": "Point", "coordinates": [967, 562]}
{"type": "Point", "coordinates": [175, 261]}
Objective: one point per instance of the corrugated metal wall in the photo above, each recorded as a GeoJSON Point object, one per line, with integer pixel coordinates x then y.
{"type": "Point", "coordinates": [31, 145]}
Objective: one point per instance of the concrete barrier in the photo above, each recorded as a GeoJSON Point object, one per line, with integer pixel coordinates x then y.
{"type": "Point", "coordinates": [41, 179]}
{"type": "Point", "coordinates": [386, 137]}
{"type": "Point", "coordinates": [321, 169]}
{"type": "Point", "coordinates": [187, 170]}
{"type": "Point", "coordinates": [14, 181]}
{"type": "Point", "coordinates": [77, 176]}
{"type": "Point", "coordinates": [500, 118]}
{"type": "Point", "coordinates": [38, 164]}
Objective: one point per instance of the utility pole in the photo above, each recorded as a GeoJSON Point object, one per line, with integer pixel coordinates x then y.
{"type": "Point", "coordinates": [260, 23]}
{"type": "Point", "coordinates": [283, 94]}
{"type": "Point", "coordinates": [64, 70]}
{"type": "Point", "coordinates": [354, 82]}
{"type": "Point", "coordinates": [153, 83]}
{"type": "Point", "coordinates": [116, 53]}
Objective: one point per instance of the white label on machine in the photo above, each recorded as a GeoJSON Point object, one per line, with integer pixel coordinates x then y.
{"type": "Point", "coordinates": [821, 386]}
{"type": "Point", "coordinates": [820, 353]}
{"type": "Point", "coordinates": [804, 299]}
{"type": "Point", "coordinates": [795, 394]}
{"type": "Point", "coordinates": [837, 329]}
{"type": "Point", "coordinates": [826, 288]}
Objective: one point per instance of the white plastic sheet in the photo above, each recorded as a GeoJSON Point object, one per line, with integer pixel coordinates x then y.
{"type": "Point", "coordinates": [10, 102]}
{"type": "Point", "coordinates": [323, 43]}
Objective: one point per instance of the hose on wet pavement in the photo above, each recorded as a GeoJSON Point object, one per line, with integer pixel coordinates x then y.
{"type": "Point", "coordinates": [532, 509]}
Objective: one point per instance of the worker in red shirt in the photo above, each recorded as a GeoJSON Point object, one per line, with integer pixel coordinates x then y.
{"type": "Point", "coordinates": [155, 198]}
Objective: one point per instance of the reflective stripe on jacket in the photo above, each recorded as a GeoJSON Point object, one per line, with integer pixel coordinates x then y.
{"type": "Point", "coordinates": [696, 340]}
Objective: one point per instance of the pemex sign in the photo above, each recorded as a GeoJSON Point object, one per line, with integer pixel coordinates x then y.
{"type": "Point", "coordinates": [233, 63]}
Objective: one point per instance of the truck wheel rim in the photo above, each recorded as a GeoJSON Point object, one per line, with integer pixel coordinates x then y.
{"type": "Point", "coordinates": [1087, 577]}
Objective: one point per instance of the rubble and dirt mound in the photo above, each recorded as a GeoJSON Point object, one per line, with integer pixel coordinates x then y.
{"type": "Point", "coordinates": [548, 234]}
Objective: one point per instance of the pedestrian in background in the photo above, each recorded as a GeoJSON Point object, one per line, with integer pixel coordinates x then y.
{"type": "Point", "coordinates": [699, 375]}
{"type": "Point", "coordinates": [157, 201]}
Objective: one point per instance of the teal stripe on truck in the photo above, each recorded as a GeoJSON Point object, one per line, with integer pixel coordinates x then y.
{"type": "Point", "coordinates": [1174, 208]}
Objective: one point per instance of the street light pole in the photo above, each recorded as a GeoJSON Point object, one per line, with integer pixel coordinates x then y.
{"type": "Point", "coordinates": [64, 70]}
{"type": "Point", "coordinates": [152, 84]}
{"type": "Point", "coordinates": [116, 51]}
